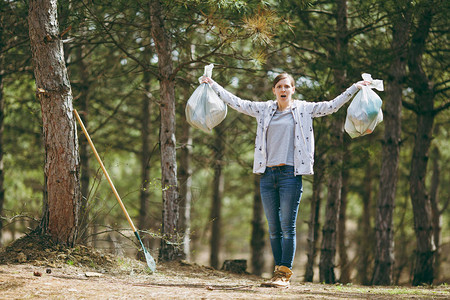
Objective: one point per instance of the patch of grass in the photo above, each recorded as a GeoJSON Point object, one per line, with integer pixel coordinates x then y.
{"type": "Point", "coordinates": [124, 263]}
{"type": "Point", "coordinates": [132, 265]}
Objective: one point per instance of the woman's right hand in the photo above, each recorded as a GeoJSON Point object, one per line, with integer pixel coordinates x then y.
{"type": "Point", "coordinates": [362, 83]}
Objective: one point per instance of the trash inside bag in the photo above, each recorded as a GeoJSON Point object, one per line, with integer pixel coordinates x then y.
{"type": "Point", "coordinates": [204, 109]}
{"type": "Point", "coordinates": [364, 113]}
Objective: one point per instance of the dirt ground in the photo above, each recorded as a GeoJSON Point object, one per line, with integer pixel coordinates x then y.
{"type": "Point", "coordinates": [37, 269]}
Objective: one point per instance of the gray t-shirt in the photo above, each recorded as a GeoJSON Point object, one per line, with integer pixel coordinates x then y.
{"type": "Point", "coordinates": [280, 139]}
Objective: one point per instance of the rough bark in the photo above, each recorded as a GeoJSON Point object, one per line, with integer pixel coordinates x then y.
{"type": "Point", "coordinates": [170, 249]}
{"type": "Point", "coordinates": [424, 101]}
{"type": "Point", "coordinates": [216, 206]}
{"type": "Point", "coordinates": [384, 231]}
{"type": "Point", "coordinates": [257, 242]}
{"type": "Point", "coordinates": [59, 127]}
{"type": "Point", "coordinates": [328, 248]}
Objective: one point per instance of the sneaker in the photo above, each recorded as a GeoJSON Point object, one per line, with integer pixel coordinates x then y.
{"type": "Point", "coordinates": [280, 278]}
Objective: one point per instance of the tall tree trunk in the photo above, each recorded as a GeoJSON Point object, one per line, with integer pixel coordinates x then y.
{"type": "Point", "coordinates": [216, 207]}
{"type": "Point", "coordinates": [328, 249]}
{"type": "Point", "coordinates": [2, 117]}
{"type": "Point", "coordinates": [2, 107]}
{"type": "Point", "coordinates": [343, 256]}
{"type": "Point", "coordinates": [83, 103]}
{"type": "Point", "coordinates": [436, 212]}
{"type": "Point", "coordinates": [424, 100]}
{"type": "Point", "coordinates": [59, 126]}
{"type": "Point", "coordinates": [424, 264]}
{"type": "Point", "coordinates": [257, 242]}
{"type": "Point", "coordinates": [185, 178]}
{"type": "Point", "coordinates": [169, 249]}
{"type": "Point", "coordinates": [314, 216]}
{"type": "Point", "coordinates": [384, 226]}
{"type": "Point", "coordinates": [144, 195]}
{"type": "Point", "coordinates": [365, 244]}
{"type": "Point", "coordinates": [185, 191]}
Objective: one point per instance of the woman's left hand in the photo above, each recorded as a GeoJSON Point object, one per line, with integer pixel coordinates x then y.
{"type": "Point", "coordinates": [362, 83]}
{"type": "Point", "coordinates": [205, 79]}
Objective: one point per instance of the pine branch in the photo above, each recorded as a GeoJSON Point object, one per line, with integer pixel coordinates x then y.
{"type": "Point", "coordinates": [410, 106]}
{"type": "Point", "coordinates": [200, 59]}
{"type": "Point", "coordinates": [297, 46]}
{"type": "Point", "coordinates": [442, 108]}
{"type": "Point", "coordinates": [118, 45]}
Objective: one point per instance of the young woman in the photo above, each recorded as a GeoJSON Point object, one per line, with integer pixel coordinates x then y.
{"type": "Point", "coordinates": [284, 151]}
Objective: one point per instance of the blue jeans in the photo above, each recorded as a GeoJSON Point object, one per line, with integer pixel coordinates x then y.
{"type": "Point", "coordinates": [281, 191]}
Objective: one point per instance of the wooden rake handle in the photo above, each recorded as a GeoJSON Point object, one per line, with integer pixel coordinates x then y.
{"type": "Point", "coordinates": [104, 170]}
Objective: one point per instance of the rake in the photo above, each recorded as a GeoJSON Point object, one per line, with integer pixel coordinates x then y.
{"type": "Point", "coordinates": [150, 261]}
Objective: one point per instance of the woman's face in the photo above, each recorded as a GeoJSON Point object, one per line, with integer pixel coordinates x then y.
{"type": "Point", "coordinates": [283, 90]}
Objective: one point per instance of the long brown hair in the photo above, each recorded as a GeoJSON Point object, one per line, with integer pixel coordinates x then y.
{"type": "Point", "coordinates": [282, 76]}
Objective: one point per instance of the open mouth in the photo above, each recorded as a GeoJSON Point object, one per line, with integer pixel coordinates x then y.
{"type": "Point", "coordinates": [283, 96]}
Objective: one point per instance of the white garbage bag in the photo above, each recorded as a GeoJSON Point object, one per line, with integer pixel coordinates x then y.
{"type": "Point", "coordinates": [204, 109]}
{"type": "Point", "coordinates": [364, 113]}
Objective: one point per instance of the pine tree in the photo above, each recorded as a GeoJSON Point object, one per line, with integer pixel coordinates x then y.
{"type": "Point", "coordinates": [62, 204]}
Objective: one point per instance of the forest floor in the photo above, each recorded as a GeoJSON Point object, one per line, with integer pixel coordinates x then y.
{"type": "Point", "coordinates": [37, 269]}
